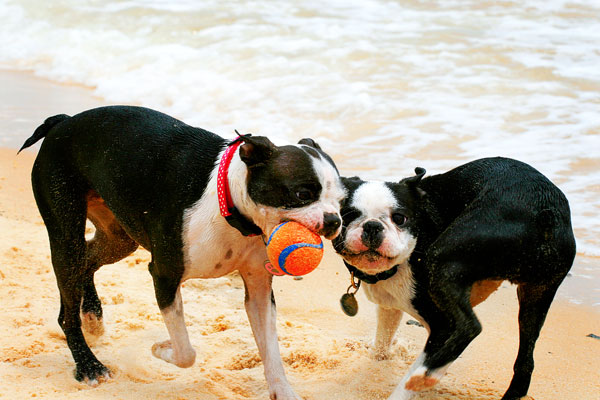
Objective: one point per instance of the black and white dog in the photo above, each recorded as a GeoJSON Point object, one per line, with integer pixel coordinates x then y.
{"type": "Point", "coordinates": [187, 196]}
{"type": "Point", "coordinates": [437, 246]}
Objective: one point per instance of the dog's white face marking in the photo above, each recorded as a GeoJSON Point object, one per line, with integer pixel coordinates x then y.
{"type": "Point", "coordinates": [376, 203]}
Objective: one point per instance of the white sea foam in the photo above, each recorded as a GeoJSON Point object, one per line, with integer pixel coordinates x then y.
{"type": "Point", "coordinates": [379, 83]}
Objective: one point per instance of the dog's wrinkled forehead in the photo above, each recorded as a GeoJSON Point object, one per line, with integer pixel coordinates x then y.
{"type": "Point", "coordinates": [373, 200]}
{"type": "Point", "coordinates": [295, 176]}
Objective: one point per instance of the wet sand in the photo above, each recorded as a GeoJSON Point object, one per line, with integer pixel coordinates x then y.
{"type": "Point", "coordinates": [326, 354]}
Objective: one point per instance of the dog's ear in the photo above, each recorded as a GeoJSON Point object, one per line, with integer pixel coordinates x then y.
{"type": "Point", "coordinates": [256, 150]}
{"type": "Point", "coordinates": [351, 183]}
{"type": "Point", "coordinates": [310, 142]}
{"type": "Point", "coordinates": [413, 181]}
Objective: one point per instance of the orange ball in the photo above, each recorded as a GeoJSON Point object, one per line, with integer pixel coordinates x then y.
{"type": "Point", "coordinates": [293, 249]}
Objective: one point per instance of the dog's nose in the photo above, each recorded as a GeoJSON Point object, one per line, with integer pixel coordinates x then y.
{"type": "Point", "coordinates": [331, 223]}
{"type": "Point", "coordinates": [372, 235]}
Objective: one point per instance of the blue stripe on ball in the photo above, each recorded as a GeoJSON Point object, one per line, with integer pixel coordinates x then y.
{"type": "Point", "coordinates": [275, 230]}
{"type": "Point", "coordinates": [288, 250]}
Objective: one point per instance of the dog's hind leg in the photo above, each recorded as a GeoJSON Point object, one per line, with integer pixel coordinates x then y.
{"type": "Point", "coordinates": [109, 245]}
{"type": "Point", "coordinates": [534, 302]}
{"type": "Point", "coordinates": [61, 202]}
{"type": "Point", "coordinates": [91, 308]}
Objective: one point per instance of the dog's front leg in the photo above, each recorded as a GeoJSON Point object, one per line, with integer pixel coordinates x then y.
{"type": "Point", "coordinates": [417, 378]}
{"type": "Point", "coordinates": [178, 350]}
{"type": "Point", "coordinates": [401, 392]}
{"type": "Point", "coordinates": [388, 320]}
{"type": "Point", "coordinates": [260, 306]}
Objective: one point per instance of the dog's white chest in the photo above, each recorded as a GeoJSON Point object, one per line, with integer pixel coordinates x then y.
{"type": "Point", "coordinates": [396, 292]}
{"type": "Point", "coordinates": [212, 248]}
{"type": "Point", "coordinates": [215, 258]}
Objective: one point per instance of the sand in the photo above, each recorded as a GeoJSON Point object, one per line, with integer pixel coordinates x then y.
{"type": "Point", "coordinates": [326, 353]}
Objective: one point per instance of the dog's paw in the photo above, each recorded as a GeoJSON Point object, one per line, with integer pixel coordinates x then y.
{"type": "Point", "coordinates": [420, 382]}
{"type": "Point", "coordinates": [164, 351]}
{"type": "Point", "coordinates": [91, 324]}
{"type": "Point", "coordinates": [380, 354]}
{"type": "Point", "coordinates": [284, 394]}
{"type": "Point", "coordinates": [92, 373]}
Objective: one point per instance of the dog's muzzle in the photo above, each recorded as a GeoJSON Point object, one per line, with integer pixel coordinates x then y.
{"type": "Point", "coordinates": [331, 225]}
{"type": "Point", "coordinates": [372, 235]}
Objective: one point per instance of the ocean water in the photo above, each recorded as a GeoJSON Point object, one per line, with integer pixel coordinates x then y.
{"type": "Point", "coordinates": [383, 86]}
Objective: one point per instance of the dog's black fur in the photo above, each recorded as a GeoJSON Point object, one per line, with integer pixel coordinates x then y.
{"type": "Point", "coordinates": [490, 219]}
{"type": "Point", "coordinates": [78, 151]}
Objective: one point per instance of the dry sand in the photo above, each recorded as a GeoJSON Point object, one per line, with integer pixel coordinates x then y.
{"type": "Point", "coordinates": [325, 353]}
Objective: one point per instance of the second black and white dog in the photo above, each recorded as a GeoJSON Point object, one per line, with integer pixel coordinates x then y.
{"type": "Point", "coordinates": [144, 178]}
{"type": "Point", "coordinates": [434, 247]}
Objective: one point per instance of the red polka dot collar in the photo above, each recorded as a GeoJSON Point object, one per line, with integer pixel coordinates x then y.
{"type": "Point", "coordinates": [226, 206]}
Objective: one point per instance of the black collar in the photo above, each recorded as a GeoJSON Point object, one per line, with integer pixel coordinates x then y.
{"type": "Point", "coordinates": [371, 279]}
{"type": "Point", "coordinates": [242, 224]}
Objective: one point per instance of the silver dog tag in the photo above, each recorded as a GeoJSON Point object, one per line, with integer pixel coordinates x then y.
{"type": "Point", "coordinates": [349, 304]}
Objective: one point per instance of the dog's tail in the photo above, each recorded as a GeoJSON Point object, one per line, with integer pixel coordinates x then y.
{"type": "Point", "coordinates": [43, 130]}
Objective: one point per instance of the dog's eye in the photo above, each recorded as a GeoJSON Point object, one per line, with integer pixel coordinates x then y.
{"type": "Point", "coordinates": [304, 195]}
{"type": "Point", "coordinates": [399, 219]}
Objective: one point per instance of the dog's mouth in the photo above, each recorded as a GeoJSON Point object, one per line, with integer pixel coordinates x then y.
{"type": "Point", "coordinates": [326, 232]}
{"type": "Point", "coordinates": [369, 261]}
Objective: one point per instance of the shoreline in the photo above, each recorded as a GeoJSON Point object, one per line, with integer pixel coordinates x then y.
{"type": "Point", "coordinates": [29, 99]}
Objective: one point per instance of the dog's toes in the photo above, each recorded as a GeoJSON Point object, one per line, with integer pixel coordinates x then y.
{"type": "Point", "coordinates": [164, 351]}
{"type": "Point", "coordinates": [420, 382]}
{"type": "Point", "coordinates": [93, 373]}
{"type": "Point", "coordinates": [100, 379]}
{"type": "Point", "coordinates": [281, 390]}
{"type": "Point", "coordinates": [288, 395]}
{"type": "Point", "coordinates": [380, 354]}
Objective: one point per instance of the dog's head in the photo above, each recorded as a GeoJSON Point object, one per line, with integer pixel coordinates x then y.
{"type": "Point", "coordinates": [293, 182]}
{"type": "Point", "coordinates": [379, 222]}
